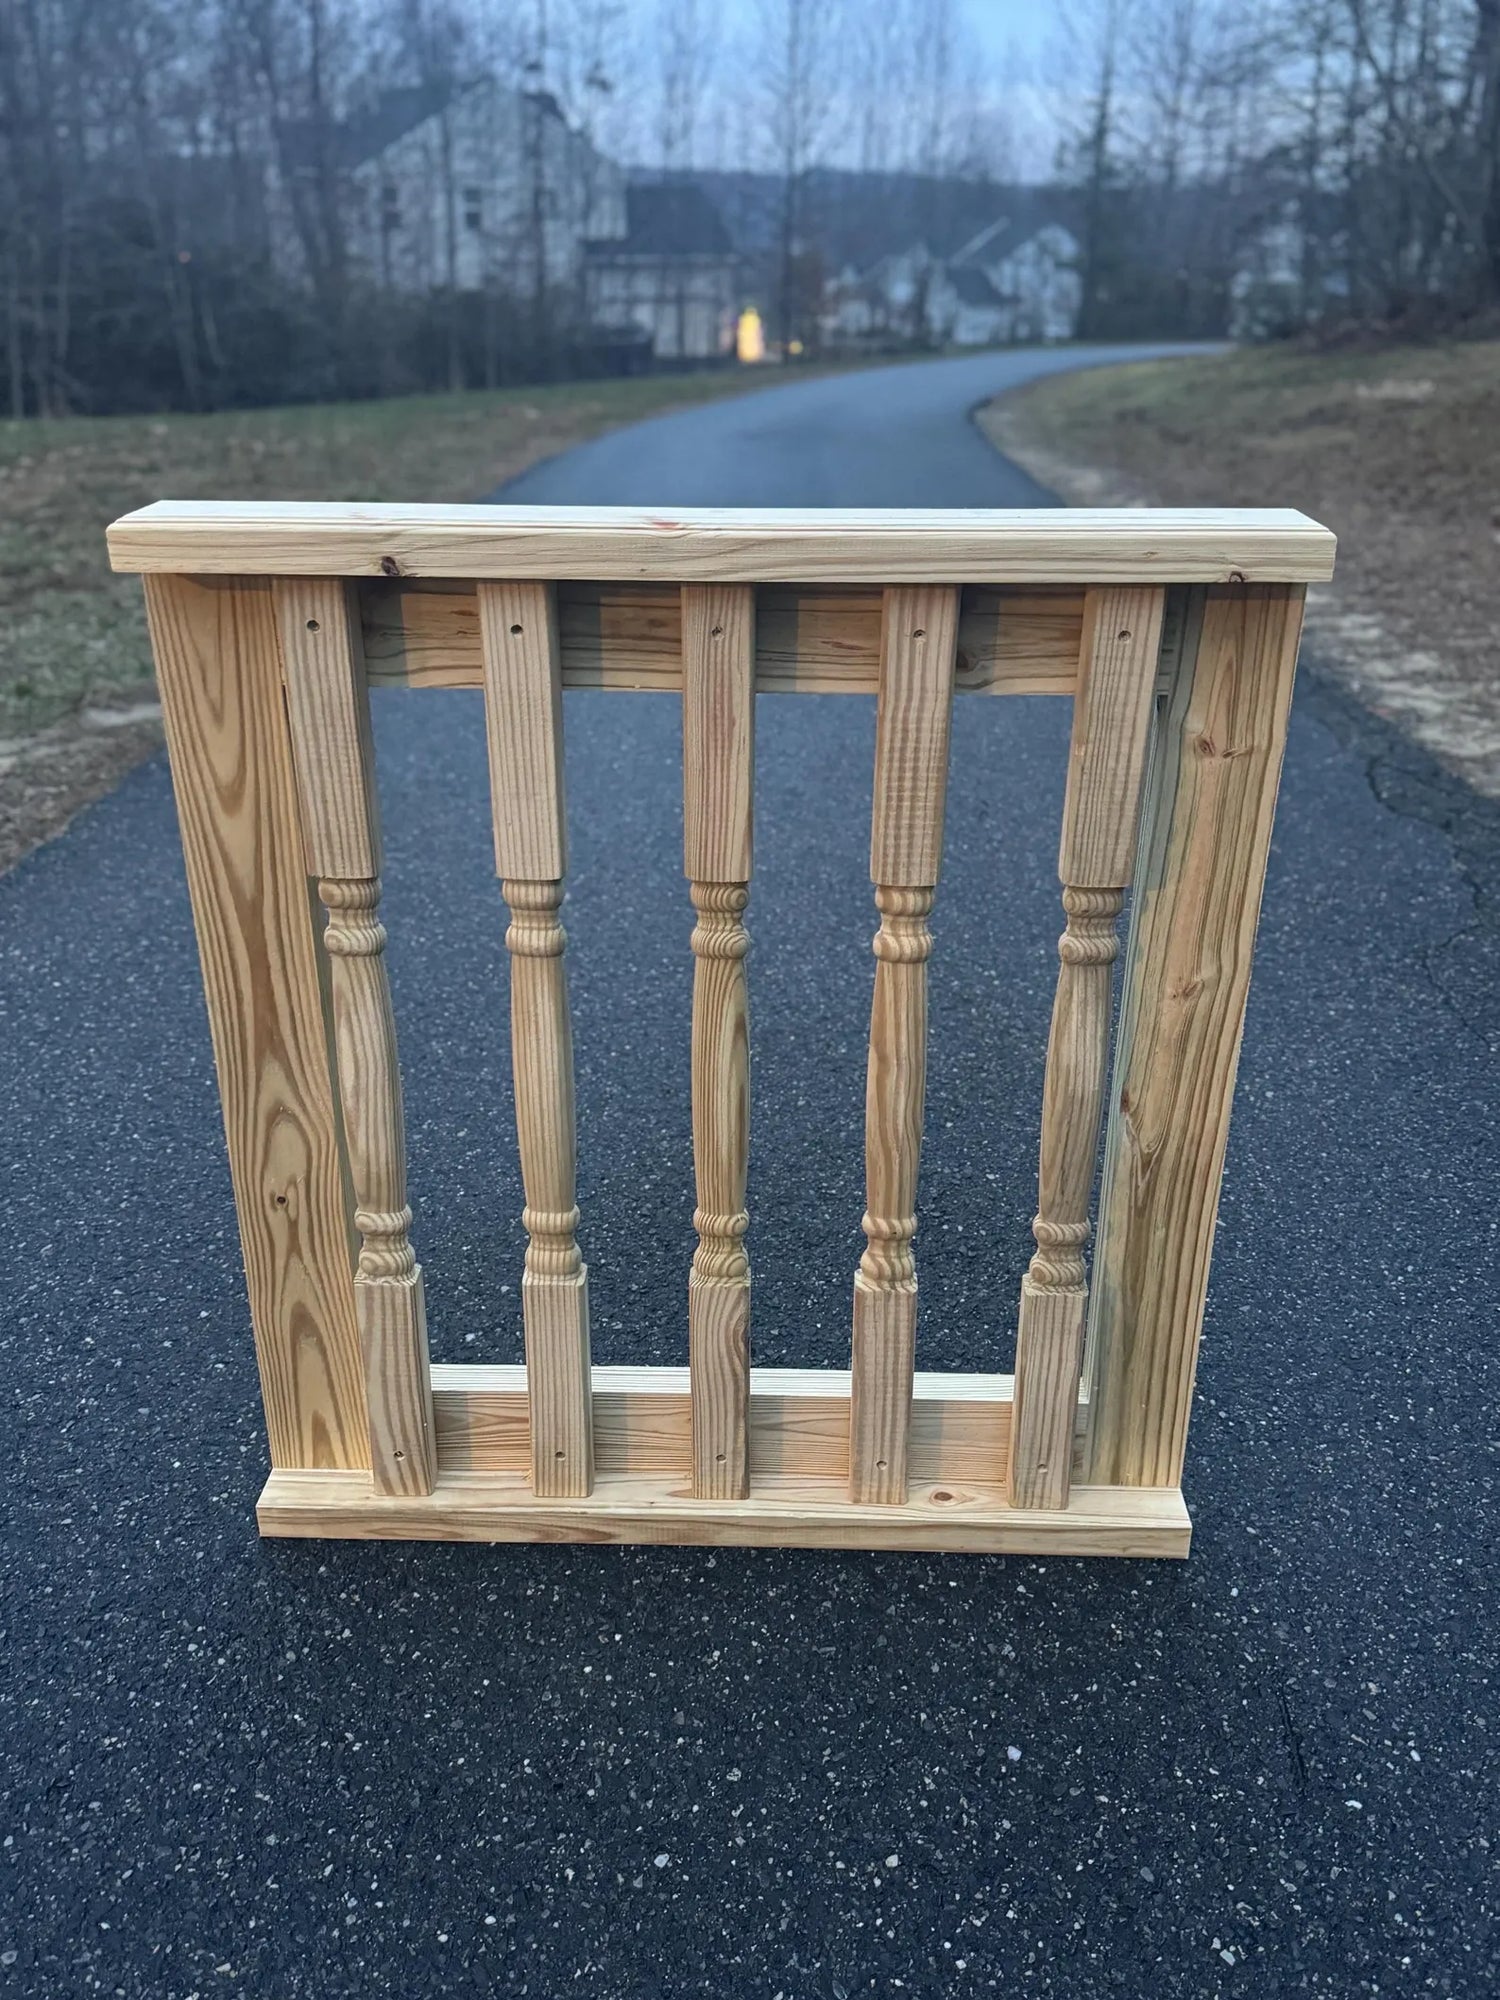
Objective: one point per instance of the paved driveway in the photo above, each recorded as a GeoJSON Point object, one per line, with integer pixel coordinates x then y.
{"type": "Point", "coordinates": [286, 1770]}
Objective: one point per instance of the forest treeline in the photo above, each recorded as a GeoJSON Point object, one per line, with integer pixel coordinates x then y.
{"type": "Point", "coordinates": [179, 217]}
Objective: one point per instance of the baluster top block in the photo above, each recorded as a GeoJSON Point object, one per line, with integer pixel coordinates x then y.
{"type": "Point", "coordinates": [727, 545]}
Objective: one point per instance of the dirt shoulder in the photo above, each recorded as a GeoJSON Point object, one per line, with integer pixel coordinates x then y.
{"type": "Point", "coordinates": [1397, 452]}
{"type": "Point", "coordinates": [77, 706]}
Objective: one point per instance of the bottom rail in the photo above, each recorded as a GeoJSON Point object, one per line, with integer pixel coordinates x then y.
{"type": "Point", "coordinates": [782, 1512]}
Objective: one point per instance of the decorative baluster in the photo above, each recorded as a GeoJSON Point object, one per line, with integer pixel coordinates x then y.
{"type": "Point", "coordinates": [919, 644]}
{"type": "Point", "coordinates": [1111, 726]}
{"type": "Point", "coordinates": [328, 709]}
{"type": "Point", "coordinates": [523, 714]}
{"type": "Point", "coordinates": [718, 760]}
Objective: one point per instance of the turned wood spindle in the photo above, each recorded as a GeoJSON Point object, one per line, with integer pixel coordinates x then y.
{"type": "Point", "coordinates": [523, 717]}
{"type": "Point", "coordinates": [1111, 727]}
{"type": "Point", "coordinates": [718, 755]}
{"type": "Point", "coordinates": [328, 710]}
{"type": "Point", "coordinates": [919, 645]}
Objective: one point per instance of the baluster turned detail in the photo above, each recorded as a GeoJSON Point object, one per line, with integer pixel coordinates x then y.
{"type": "Point", "coordinates": [919, 647]}
{"type": "Point", "coordinates": [1111, 727]}
{"type": "Point", "coordinates": [718, 745]}
{"type": "Point", "coordinates": [328, 710]}
{"type": "Point", "coordinates": [523, 716]}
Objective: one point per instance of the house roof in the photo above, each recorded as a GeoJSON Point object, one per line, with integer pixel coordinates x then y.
{"type": "Point", "coordinates": [367, 132]}
{"type": "Point", "coordinates": [669, 219]}
{"type": "Point", "coordinates": [971, 287]}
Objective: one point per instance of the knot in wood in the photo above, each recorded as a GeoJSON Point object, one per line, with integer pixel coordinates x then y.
{"type": "Point", "coordinates": [888, 1264]}
{"type": "Point", "coordinates": [386, 1256]}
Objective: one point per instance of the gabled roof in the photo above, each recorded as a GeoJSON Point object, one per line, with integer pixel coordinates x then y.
{"type": "Point", "coordinates": [971, 287]}
{"type": "Point", "coordinates": [668, 219]}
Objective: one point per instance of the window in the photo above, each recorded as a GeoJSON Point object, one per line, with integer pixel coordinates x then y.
{"type": "Point", "coordinates": [474, 209]}
{"type": "Point", "coordinates": [390, 207]}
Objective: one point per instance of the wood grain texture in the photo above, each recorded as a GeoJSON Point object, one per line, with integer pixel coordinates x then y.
{"type": "Point", "coordinates": [784, 1513]}
{"type": "Point", "coordinates": [718, 754]}
{"type": "Point", "coordinates": [523, 717]}
{"type": "Point", "coordinates": [798, 1423]}
{"type": "Point", "coordinates": [809, 639]}
{"type": "Point", "coordinates": [727, 545]}
{"type": "Point", "coordinates": [911, 776]}
{"type": "Point", "coordinates": [1117, 679]}
{"type": "Point", "coordinates": [219, 670]}
{"type": "Point", "coordinates": [1120, 648]}
{"type": "Point", "coordinates": [1198, 889]}
{"type": "Point", "coordinates": [328, 714]}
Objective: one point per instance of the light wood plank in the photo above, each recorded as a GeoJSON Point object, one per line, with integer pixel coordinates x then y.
{"type": "Point", "coordinates": [812, 639]}
{"type": "Point", "coordinates": [718, 761]}
{"type": "Point", "coordinates": [786, 1513]}
{"type": "Point", "coordinates": [728, 545]}
{"type": "Point", "coordinates": [523, 716]}
{"type": "Point", "coordinates": [1197, 900]}
{"type": "Point", "coordinates": [1122, 635]}
{"type": "Point", "coordinates": [798, 1423]}
{"type": "Point", "coordinates": [219, 670]}
{"type": "Point", "coordinates": [328, 712]}
{"type": "Point", "coordinates": [906, 838]}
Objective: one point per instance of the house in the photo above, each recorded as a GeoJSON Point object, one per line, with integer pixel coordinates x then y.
{"type": "Point", "coordinates": [1010, 282]}
{"type": "Point", "coordinates": [466, 187]}
{"type": "Point", "coordinates": [672, 275]}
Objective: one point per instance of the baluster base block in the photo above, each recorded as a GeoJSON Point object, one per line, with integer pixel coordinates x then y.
{"type": "Point", "coordinates": [1046, 1409]}
{"type": "Point", "coordinates": [884, 1354]}
{"type": "Point", "coordinates": [392, 1319]}
{"type": "Point", "coordinates": [719, 1355]}
{"type": "Point", "coordinates": [556, 1314]}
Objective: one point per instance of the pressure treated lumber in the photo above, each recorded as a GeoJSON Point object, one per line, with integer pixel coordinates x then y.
{"type": "Point", "coordinates": [913, 721]}
{"type": "Point", "coordinates": [727, 545]}
{"type": "Point", "coordinates": [1122, 629]}
{"type": "Point", "coordinates": [783, 1513]}
{"type": "Point", "coordinates": [328, 712]}
{"type": "Point", "coordinates": [218, 667]}
{"type": "Point", "coordinates": [809, 639]}
{"type": "Point", "coordinates": [523, 720]}
{"type": "Point", "coordinates": [718, 761]}
{"type": "Point", "coordinates": [798, 1423]}
{"type": "Point", "coordinates": [1204, 842]}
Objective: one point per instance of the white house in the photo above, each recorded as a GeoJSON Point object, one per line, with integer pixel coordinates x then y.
{"type": "Point", "coordinates": [1009, 283]}
{"type": "Point", "coordinates": [672, 275]}
{"type": "Point", "coordinates": [471, 186]}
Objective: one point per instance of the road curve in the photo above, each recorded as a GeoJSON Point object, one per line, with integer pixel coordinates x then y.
{"type": "Point", "coordinates": [879, 437]}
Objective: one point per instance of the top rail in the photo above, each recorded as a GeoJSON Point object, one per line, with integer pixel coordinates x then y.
{"type": "Point", "coordinates": [727, 545]}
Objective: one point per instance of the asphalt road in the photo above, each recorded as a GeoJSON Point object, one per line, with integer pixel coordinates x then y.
{"type": "Point", "coordinates": [285, 1770]}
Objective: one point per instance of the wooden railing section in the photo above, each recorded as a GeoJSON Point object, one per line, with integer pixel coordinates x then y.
{"type": "Point", "coordinates": [1175, 635]}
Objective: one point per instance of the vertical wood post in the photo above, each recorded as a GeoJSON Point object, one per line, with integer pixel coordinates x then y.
{"type": "Point", "coordinates": [718, 754]}
{"type": "Point", "coordinates": [919, 645]}
{"type": "Point", "coordinates": [329, 712]}
{"type": "Point", "coordinates": [1204, 841]}
{"type": "Point", "coordinates": [218, 665]}
{"type": "Point", "coordinates": [1111, 725]}
{"type": "Point", "coordinates": [523, 716]}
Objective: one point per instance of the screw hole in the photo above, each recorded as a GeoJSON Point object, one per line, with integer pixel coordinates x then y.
{"type": "Point", "coordinates": [398, 1454]}
{"type": "Point", "coordinates": [718, 1458]}
{"type": "Point", "coordinates": [312, 625]}
{"type": "Point", "coordinates": [281, 1201]}
{"type": "Point", "coordinates": [920, 633]}
{"type": "Point", "coordinates": [1124, 635]}
{"type": "Point", "coordinates": [515, 631]}
{"type": "Point", "coordinates": [880, 1463]}
{"type": "Point", "coordinates": [559, 1454]}
{"type": "Point", "coordinates": [717, 632]}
